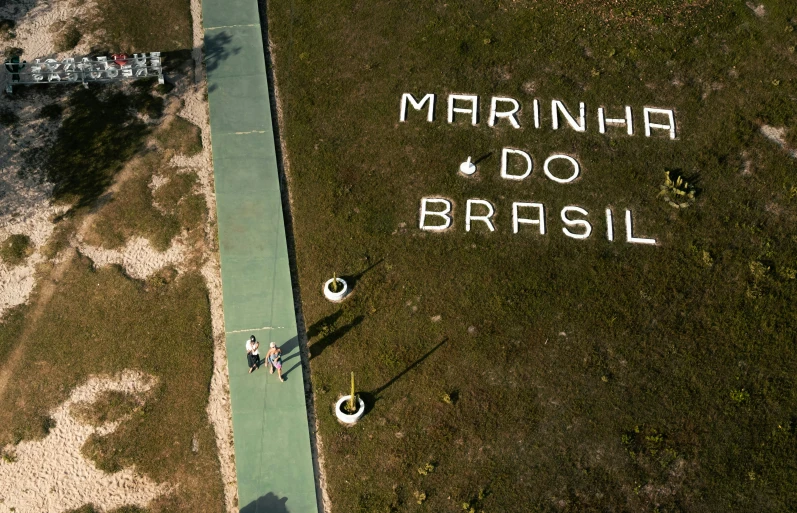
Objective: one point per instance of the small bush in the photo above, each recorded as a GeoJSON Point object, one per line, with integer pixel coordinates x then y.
{"type": "Point", "coordinates": [16, 248]}
{"type": "Point", "coordinates": [12, 51]}
{"type": "Point", "coordinates": [67, 39]}
{"type": "Point", "coordinates": [7, 29]}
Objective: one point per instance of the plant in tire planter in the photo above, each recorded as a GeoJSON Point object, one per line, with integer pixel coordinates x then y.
{"type": "Point", "coordinates": [350, 408]}
{"type": "Point", "coordinates": [335, 289]}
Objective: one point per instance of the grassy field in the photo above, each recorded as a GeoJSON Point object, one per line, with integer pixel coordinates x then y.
{"type": "Point", "coordinates": [99, 320]}
{"type": "Point", "coordinates": [526, 372]}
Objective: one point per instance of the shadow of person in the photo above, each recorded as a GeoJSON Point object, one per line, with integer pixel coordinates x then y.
{"type": "Point", "coordinates": [268, 503]}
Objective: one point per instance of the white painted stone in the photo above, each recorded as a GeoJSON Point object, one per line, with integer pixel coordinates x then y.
{"type": "Point", "coordinates": [576, 222]}
{"type": "Point", "coordinates": [517, 220]}
{"type": "Point", "coordinates": [486, 218]}
{"type": "Point", "coordinates": [417, 105]}
{"type": "Point", "coordinates": [573, 162]}
{"type": "Point", "coordinates": [444, 214]}
{"type": "Point", "coordinates": [473, 110]}
{"type": "Point", "coordinates": [505, 152]}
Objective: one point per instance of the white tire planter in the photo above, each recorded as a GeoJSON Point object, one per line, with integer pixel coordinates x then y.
{"type": "Point", "coordinates": [345, 417]}
{"type": "Point", "coordinates": [340, 294]}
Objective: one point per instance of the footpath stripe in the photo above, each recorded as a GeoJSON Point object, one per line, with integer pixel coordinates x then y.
{"type": "Point", "coordinates": [270, 428]}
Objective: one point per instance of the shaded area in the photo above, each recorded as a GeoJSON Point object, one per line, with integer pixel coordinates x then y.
{"type": "Point", "coordinates": [333, 336]}
{"type": "Point", "coordinates": [217, 49]}
{"type": "Point", "coordinates": [98, 136]}
{"type": "Point", "coordinates": [268, 503]}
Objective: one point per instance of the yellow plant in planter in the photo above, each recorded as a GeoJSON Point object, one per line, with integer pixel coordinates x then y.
{"type": "Point", "coordinates": [351, 405]}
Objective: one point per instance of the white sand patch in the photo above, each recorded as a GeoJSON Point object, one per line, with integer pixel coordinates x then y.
{"type": "Point", "coordinates": [39, 23]}
{"type": "Point", "coordinates": [195, 110]}
{"type": "Point", "coordinates": [138, 258]}
{"type": "Point", "coordinates": [778, 136]}
{"type": "Point", "coordinates": [51, 475]}
{"type": "Point", "coordinates": [759, 10]}
{"type": "Point", "coordinates": [157, 182]}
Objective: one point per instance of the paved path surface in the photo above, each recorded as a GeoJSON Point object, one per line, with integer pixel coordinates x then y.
{"type": "Point", "coordinates": [272, 442]}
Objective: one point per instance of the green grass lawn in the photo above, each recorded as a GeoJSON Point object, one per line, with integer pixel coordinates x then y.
{"type": "Point", "coordinates": [538, 372]}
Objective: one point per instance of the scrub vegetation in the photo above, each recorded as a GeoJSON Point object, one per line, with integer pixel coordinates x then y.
{"type": "Point", "coordinates": [90, 320]}
{"type": "Point", "coordinates": [15, 249]}
{"type": "Point", "coordinates": [539, 372]}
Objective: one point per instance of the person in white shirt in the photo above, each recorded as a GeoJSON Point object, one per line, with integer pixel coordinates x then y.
{"type": "Point", "coordinates": [252, 353]}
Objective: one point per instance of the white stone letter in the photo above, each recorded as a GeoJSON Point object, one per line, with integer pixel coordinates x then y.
{"type": "Point", "coordinates": [516, 221]}
{"type": "Point", "coordinates": [609, 224]}
{"type": "Point", "coordinates": [444, 214]}
{"type": "Point", "coordinates": [559, 107]}
{"type": "Point", "coordinates": [473, 111]}
{"type": "Point", "coordinates": [576, 168]}
{"type": "Point", "coordinates": [417, 105]}
{"type": "Point", "coordinates": [576, 222]}
{"type": "Point", "coordinates": [486, 218]}
{"type": "Point", "coordinates": [536, 113]}
{"type": "Point", "coordinates": [510, 114]}
{"type": "Point", "coordinates": [504, 154]}
{"type": "Point", "coordinates": [648, 125]}
{"type": "Point", "coordinates": [603, 121]}
{"type": "Point", "coordinates": [629, 235]}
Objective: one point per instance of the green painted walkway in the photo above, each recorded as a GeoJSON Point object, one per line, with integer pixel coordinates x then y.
{"type": "Point", "coordinates": [270, 427]}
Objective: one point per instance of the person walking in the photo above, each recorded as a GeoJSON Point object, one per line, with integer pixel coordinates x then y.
{"type": "Point", "coordinates": [274, 360]}
{"type": "Point", "coordinates": [252, 354]}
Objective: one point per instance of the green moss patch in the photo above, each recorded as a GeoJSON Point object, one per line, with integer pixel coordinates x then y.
{"type": "Point", "coordinates": [16, 248]}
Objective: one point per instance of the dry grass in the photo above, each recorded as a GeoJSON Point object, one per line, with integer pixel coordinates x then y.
{"type": "Point", "coordinates": [580, 375]}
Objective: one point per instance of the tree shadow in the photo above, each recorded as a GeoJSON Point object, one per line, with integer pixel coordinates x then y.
{"type": "Point", "coordinates": [218, 49]}
{"type": "Point", "coordinates": [101, 133]}
{"type": "Point", "coordinates": [324, 324]}
{"type": "Point", "coordinates": [318, 347]}
{"type": "Point", "coordinates": [268, 503]}
{"type": "Point", "coordinates": [376, 394]}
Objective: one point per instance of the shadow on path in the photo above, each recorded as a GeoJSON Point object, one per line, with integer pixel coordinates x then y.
{"type": "Point", "coordinates": [268, 503]}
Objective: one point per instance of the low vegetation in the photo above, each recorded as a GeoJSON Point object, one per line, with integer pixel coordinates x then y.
{"type": "Point", "coordinates": [111, 406]}
{"type": "Point", "coordinates": [16, 248]}
{"type": "Point", "coordinates": [574, 375]}
{"type": "Point", "coordinates": [99, 320]}
{"type": "Point", "coordinates": [180, 136]}
{"type": "Point", "coordinates": [68, 37]}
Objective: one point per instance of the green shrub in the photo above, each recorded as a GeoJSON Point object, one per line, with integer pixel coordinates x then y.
{"type": "Point", "coordinates": [67, 39]}
{"type": "Point", "coordinates": [16, 248]}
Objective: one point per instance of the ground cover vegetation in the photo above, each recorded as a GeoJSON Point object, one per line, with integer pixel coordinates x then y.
{"type": "Point", "coordinates": [99, 320]}
{"type": "Point", "coordinates": [521, 373]}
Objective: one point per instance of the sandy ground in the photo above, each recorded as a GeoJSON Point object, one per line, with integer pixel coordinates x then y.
{"type": "Point", "coordinates": [25, 208]}
{"type": "Point", "coordinates": [25, 202]}
{"type": "Point", "coordinates": [51, 475]}
{"type": "Point", "coordinates": [138, 258]}
{"type": "Point", "coordinates": [778, 136]}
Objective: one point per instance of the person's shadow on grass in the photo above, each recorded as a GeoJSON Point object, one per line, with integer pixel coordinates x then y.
{"type": "Point", "coordinates": [268, 503]}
